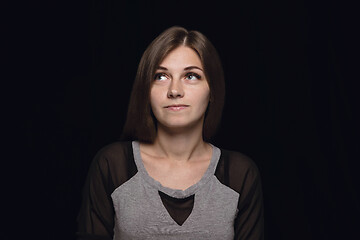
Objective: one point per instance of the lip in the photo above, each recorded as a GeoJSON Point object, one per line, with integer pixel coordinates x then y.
{"type": "Point", "coordinates": [176, 107]}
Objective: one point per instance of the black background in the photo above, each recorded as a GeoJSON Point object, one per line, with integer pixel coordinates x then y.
{"type": "Point", "coordinates": [291, 71]}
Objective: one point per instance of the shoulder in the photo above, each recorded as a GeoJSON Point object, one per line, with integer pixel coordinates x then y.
{"type": "Point", "coordinates": [237, 170]}
{"type": "Point", "coordinates": [114, 151]}
{"type": "Point", "coordinates": [114, 155]}
{"type": "Point", "coordinates": [238, 161]}
{"type": "Point", "coordinates": [115, 163]}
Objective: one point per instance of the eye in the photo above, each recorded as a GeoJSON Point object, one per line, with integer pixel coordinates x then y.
{"type": "Point", "coordinates": [192, 76]}
{"type": "Point", "coordinates": [160, 77]}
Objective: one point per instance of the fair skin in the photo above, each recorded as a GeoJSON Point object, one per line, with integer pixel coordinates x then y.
{"type": "Point", "coordinates": [179, 97]}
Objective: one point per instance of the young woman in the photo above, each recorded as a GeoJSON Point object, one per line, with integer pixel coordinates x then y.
{"type": "Point", "coordinates": [165, 180]}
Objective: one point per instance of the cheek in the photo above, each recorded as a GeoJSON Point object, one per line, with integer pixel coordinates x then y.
{"type": "Point", "coordinates": [205, 96]}
{"type": "Point", "coordinates": [155, 98]}
{"type": "Point", "coordinates": [201, 98]}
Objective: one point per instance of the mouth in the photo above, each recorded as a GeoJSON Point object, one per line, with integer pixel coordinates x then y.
{"type": "Point", "coordinates": [176, 107]}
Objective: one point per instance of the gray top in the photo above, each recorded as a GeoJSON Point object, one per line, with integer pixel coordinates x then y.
{"type": "Point", "coordinates": [121, 201]}
{"type": "Point", "coordinates": [141, 214]}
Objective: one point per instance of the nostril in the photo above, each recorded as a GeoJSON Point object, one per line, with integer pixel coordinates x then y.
{"type": "Point", "coordinates": [174, 93]}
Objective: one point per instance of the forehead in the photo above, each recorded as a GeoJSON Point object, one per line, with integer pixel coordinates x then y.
{"type": "Point", "coordinates": [181, 57]}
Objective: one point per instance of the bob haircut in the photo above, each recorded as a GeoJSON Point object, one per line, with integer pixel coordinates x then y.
{"type": "Point", "coordinates": [140, 123]}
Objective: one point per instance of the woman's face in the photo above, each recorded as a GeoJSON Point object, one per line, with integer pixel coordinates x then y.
{"type": "Point", "coordinates": [180, 92]}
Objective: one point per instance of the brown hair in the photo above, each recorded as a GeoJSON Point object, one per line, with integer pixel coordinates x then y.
{"type": "Point", "coordinates": [140, 122]}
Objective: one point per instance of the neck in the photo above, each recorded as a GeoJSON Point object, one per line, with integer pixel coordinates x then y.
{"type": "Point", "coordinates": [180, 145]}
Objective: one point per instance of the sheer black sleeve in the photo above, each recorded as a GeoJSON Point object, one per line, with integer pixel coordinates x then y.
{"type": "Point", "coordinates": [111, 167]}
{"type": "Point", "coordinates": [241, 174]}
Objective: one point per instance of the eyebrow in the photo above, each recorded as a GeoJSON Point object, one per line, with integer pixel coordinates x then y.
{"type": "Point", "coordinates": [185, 69]}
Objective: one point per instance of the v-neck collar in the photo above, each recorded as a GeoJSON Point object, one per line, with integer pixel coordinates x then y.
{"type": "Point", "coordinates": [176, 193]}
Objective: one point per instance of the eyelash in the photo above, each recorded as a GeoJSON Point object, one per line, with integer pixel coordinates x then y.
{"type": "Point", "coordinates": [193, 74]}
{"type": "Point", "coordinates": [156, 77]}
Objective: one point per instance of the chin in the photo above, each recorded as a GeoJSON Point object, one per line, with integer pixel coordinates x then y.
{"type": "Point", "coordinates": [176, 125]}
{"type": "Point", "coordinates": [181, 125]}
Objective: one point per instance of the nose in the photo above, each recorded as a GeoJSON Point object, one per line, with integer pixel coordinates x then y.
{"type": "Point", "coordinates": [175, 90]}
